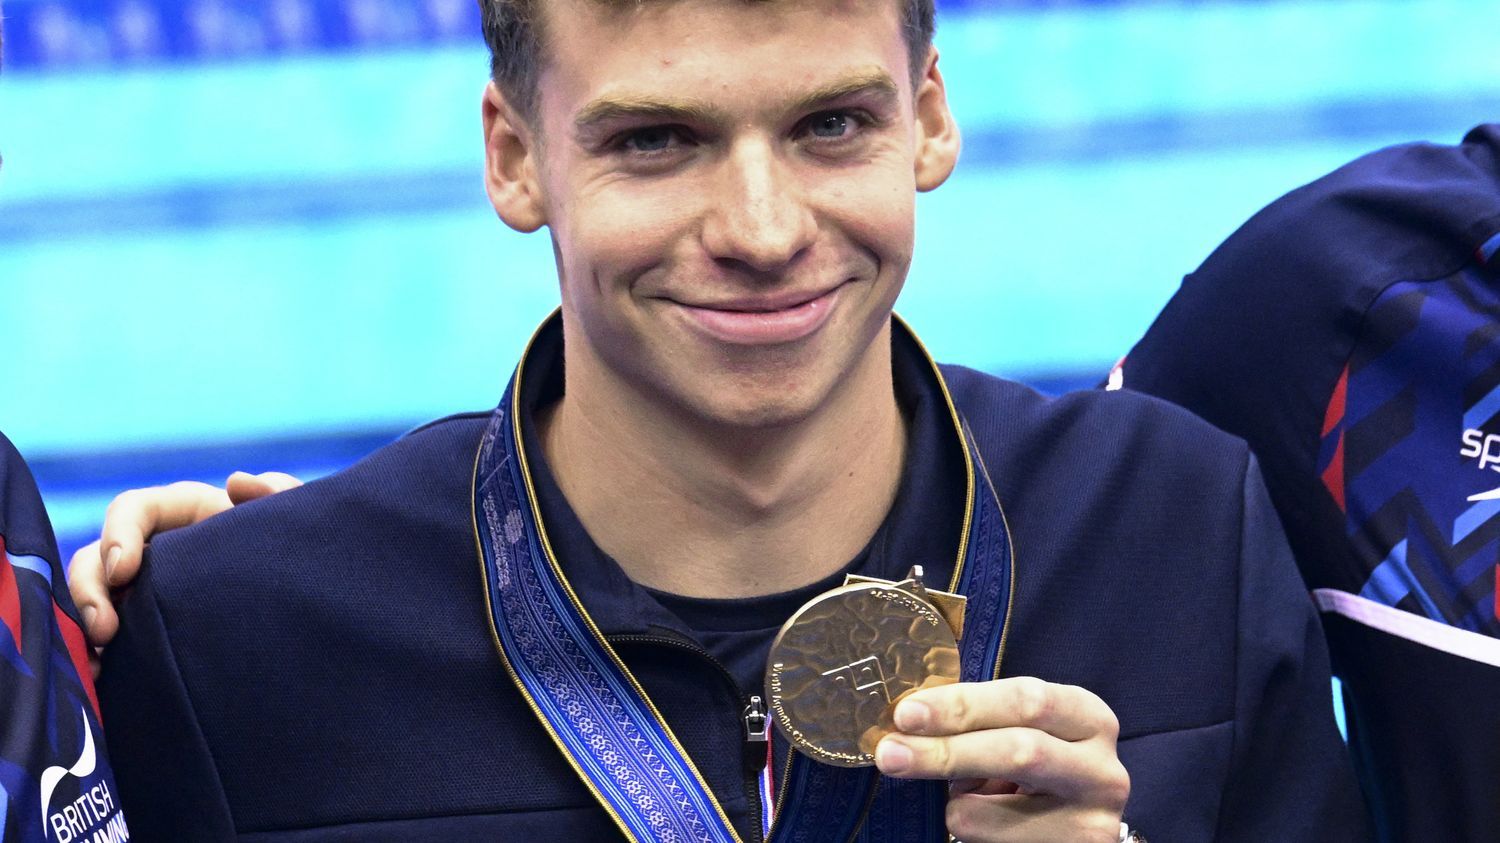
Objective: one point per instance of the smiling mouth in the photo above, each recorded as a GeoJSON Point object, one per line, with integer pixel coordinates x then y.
{"type": "Point", "coordinates": [763, 321]}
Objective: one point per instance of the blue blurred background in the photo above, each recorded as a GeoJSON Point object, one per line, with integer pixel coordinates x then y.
{"type": "Point", "coordinates": [252, 233]}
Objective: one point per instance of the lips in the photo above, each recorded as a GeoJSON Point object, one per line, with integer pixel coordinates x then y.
{"type": "Point", "coordinates": [767, 320]}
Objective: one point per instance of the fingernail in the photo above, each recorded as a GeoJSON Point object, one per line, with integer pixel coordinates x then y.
{"type": "Point", "coordinates": [89, 613]}
{"type": "Point", "coordinates": [893, 757]}
{"type": "Point", "coordinates": [110, 562]}
{"type": "Point", "coordinates": [913, 716]}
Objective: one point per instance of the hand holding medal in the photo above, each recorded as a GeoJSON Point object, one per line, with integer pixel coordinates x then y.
{"type": "Point", "coordinates": [867, 674]}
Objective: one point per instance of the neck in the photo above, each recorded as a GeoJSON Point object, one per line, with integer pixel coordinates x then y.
{"type": "Point", "coordinates": [747, 512]}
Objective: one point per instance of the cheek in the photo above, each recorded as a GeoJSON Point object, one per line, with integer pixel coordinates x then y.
{"type": "Point", "coordinates": [877, 212]}
{"type": "Point", "coordinates": [618, 231]}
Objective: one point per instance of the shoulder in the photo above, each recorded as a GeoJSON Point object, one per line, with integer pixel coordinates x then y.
{"type": "Point", "coordinates": [1256, 339]}
{"type": "Point", "coordinates": [411, 493]}
{"type": "Point", "coordinates": [1411, 211]}
{"type": "Point", "coordinates": [428, 465]}
{"type": "Point", "coordinates": [24, 528]}
{"type": "Point", "coordinates": [311, 614]}
{"type": "Point", "coordinates": [1124, 464]}
{"type": "Point", "coordinates": [1017, 425]}
{"type": "Point", "coordinates": [1302, 271]}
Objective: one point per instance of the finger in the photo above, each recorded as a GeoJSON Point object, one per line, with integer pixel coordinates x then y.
{"type": "Point", "coordinates": [134, 516]}
{"type": "Point", "coordinates": [243, 487]}
{"type": "Point", "coordinates": [974, 818]}
{"type": "Point", "coordinates": [984, 787]}
{"type": "Point", "coordinates": [1067, 711]}
{"type": "Point", "coordinates": [91, 595]}
{"type": "Point", "coordinates": [1032, 759]}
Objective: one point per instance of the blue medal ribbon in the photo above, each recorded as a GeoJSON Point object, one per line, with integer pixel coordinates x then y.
{"type": "Point", "coordinates": [608, 729]}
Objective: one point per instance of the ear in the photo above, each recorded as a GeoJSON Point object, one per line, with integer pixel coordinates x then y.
{"type": "Point", "coordinates": [938, 140]}
{"type": "Point", "coordinates": [510, 171]}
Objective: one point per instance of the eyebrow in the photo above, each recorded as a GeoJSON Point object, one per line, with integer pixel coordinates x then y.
{"type": "Point", "coordinates": [872, 82]}
{"type": "Point", "coordinates": [611, 109]}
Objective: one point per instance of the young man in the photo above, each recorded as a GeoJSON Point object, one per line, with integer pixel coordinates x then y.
{"type": "Point", "coordinates": [1349, 333]}
{"type": "Point", "coordinates": [552, 620]}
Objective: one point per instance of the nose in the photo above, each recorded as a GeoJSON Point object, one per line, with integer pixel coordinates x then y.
{"type": "Point", "coordinates": [759, 217]}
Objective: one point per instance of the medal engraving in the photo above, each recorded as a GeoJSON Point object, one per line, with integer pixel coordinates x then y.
{"type": "Point", "coordinates": [843, 661]}
{"type": "Point", "coordinates": [864, 675]}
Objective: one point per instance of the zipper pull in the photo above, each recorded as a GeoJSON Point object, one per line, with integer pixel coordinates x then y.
{"type": "Point", "coordinates": [757, 726]}
{"type": "Point", "coordinates": [757, 734]}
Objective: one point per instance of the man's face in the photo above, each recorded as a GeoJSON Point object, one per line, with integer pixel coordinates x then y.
{"type": "Point", "coordinates": [730, 190]}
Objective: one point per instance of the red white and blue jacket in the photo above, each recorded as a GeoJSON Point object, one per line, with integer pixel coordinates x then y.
{"type": "Point", "coordinates": [55, 779]}
{"type": "Point", "coordinates": [1350, 332]}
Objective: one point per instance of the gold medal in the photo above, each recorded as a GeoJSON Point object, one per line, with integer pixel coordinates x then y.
{"type": "Point", "coordinates": [842, 662]}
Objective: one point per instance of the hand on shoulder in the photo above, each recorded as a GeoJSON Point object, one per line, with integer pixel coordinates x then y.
{"type": "Point", "coordinates": [133, 517]}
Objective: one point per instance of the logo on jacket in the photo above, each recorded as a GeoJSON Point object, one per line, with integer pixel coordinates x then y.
{"type": "Point", "coordinates": [1423, 524]}
{"type": "Point", "coordinates": [1485, 447]}
{"type": "Point", "coordinates": [94, 809]}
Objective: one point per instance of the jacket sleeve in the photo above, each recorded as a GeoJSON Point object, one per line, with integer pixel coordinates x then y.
{"type": "Point", "coordinates": [55, 778]}
{"type": "Point", "coordinates": [168, 781]}
{"type": "Point", "coordinates": [1291, 775]}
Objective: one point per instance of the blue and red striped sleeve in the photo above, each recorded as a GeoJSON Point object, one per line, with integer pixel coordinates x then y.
{"type": "Point", "coordinates": [56, 784]}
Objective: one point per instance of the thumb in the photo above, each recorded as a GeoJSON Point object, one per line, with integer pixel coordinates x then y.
{"type": "Point", "coordinates": [243, 487]}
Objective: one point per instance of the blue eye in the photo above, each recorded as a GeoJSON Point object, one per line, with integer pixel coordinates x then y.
{"type": "Point", "coordinates": [653, 139]}
{"type": "Point", "coordinates": [832, 124]}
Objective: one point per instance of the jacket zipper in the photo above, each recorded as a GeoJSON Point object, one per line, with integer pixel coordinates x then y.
{"type": "Point", "coordinates": [757, 724]}
{"type": "Point", "coordinates": [754, 720]}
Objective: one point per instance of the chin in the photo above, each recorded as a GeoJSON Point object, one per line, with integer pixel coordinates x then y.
{"type": "Point", "coordinates": [751, 401]}
{"type": "Point", "coordinates": [766, 389]}
{"type": "Point", "coordinates": [766, 414]}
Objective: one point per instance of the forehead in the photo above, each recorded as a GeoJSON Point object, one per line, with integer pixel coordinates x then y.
{"type": "Point", "coordinates": [618, 13]}
{"type": "Point", "coordinates": [714, 47]}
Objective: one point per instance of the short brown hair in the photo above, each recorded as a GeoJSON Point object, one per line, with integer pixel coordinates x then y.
{"type": "Point", "coordinates": [512, 29]}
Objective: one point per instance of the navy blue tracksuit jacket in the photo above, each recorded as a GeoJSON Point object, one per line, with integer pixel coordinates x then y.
{"type": "Point", "coordinates": [319, 665]}
{"type": "Point", "coordinates": [1350, 332]}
